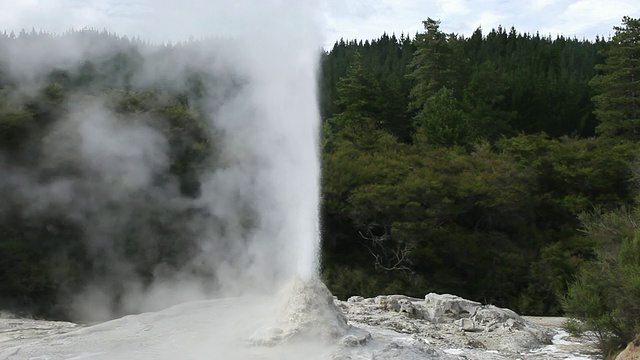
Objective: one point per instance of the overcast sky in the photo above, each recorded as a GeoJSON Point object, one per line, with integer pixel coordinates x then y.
{"type": "Point", "coordinates": [581, 18]}
{"type": "Point", "coordinates": [361, 19]}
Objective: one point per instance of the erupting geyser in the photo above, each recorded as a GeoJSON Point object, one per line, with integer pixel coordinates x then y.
{"type": "Point", "coordinates": [271, 130]}
{"type": "Point", "coordinates": [260, 230]}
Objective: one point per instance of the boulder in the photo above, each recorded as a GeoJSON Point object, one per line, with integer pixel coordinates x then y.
{"type": "Point", "coordinates": [632, 351]}
{"type": "Point", "coordinates": [446, 308]}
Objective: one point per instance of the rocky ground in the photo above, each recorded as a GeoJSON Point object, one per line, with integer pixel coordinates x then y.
{"type": "Point", "coordinates": [449, 327]}
{"type": "Point", "coordinates": [304, 322]}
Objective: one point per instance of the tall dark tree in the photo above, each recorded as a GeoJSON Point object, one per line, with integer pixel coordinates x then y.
{"type": "Point", "coordinates": [357, 95]}
{"type": "Point", "coordinates": [438, 62]}
{"type": "Point", "coordinates": [618, 84]}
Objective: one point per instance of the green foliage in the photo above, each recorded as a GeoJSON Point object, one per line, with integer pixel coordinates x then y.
{"type": "Point", "coordinates": [484, 98]}
{"type": "Point", "coordinates": [443, 122]}
{"type": "Point", "coordinates": [606, 293]}
{"type": "Point", "coordinates": [358, 95]}
{"type": "Point", "coordinates": [430, 205]}
{"type": "Point", "coordinates": [576, 174]}
{"type": "Point", "coordinates": [468, 221]}
{"type": "Point", "coordinates": [551, 274]}
{"type": "Point", "coordinates": [53, 93]}
{"type": "Point", "coordinates": [437, 63]}
{"type": "Point", "coordinates": [574, 327]}
{"type": "Point", "coordinates": [618, 84]}
{"type": "Point", "coordinates": [191, 144]}
{"type": "Point", "coordinates": [499, 165]}
{"type": "Point", "coordinates": [509, 82]}
{"type": "Point", "coordinates": [15, 125]}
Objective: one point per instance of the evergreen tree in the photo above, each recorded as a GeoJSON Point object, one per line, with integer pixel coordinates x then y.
{"type": "Point", "coordinates": [618, 84]}
{"type": "Point", "coordinates": [357, 96]}
{"type": "Point", "coordinates": [438, 62]}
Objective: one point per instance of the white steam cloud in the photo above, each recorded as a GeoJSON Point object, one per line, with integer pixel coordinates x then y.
{"type": "Point", "coordinates": [267, 170]}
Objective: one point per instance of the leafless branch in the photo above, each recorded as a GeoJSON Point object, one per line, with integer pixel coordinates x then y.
{"type": "Point", "coordinates": [388, 255]}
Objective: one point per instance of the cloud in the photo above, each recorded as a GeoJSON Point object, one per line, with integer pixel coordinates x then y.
{"type": "Point", "coordinates": [487, 19]}
{"type": "Point", "coordinates": [450, 8]}
{"type": "Point", "coordinates": [541, 4]}
{"type": "Point", "coordinates": [584, 15]}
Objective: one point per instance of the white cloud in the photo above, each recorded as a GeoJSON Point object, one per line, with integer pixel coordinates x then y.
{"type": "Point", "coordinates": [390, 16]}
{"type": "Point", "coordinates": [488, 19]}
{"type": "Point", "coordinates": [451, 8]}
{"type": "Point", "coordinates": [583, 15]}
{"type": "Point", "coordinates": [541, 4]}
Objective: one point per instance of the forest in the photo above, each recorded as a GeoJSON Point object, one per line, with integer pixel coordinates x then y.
{"type": "Point", "coordinates": [501, 167]}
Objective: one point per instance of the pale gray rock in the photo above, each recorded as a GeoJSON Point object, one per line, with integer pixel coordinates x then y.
{"type": "Point", "coordinates": [446, 308]}
{"type": "Point", "coordinates": [450, 322]}
{"type": "Point", "coordinates": [355, 337]}
{"type": "Point", "coordinates": [411, 349]}
{"type": "Point", "coordinates": [466, 324]}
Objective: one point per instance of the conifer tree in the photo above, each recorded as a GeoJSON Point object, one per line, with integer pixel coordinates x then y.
{"type": "Point", "coordinates": [618, 84]}
{"type": "Point", "coordinates": [438, 62]}
{"type": "Point", "coordinates": [357, 96]}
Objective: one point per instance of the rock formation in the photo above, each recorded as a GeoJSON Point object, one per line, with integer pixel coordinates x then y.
{"type": "Point", "coordinates": [631, 352]}
{"type": "Point", "coordinates": [306, 309]}
{"type": "Point", "coordinates": [446, 322]}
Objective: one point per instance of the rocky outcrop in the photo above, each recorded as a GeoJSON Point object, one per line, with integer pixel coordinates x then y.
{"type": "Point", "coordinates": [449, 320]}
{"type": "Point", "coordinates": [632, 351]}
{"type": "Point", "coordinates": [447, 308]}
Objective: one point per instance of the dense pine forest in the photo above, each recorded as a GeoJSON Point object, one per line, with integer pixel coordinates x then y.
{"type": "Point", "coordinates": [501, 167]}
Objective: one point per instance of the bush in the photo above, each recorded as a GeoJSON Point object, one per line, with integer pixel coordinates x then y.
{"type": "Point", "coordinates": [606, 293]}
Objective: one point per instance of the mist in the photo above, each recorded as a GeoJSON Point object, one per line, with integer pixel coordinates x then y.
{"type": "Point", "coordinates": [248, 219]}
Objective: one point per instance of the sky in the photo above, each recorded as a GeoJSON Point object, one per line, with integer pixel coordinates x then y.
{"type": "Point", "coordinates": [348, 19]}
{"type": "Point", "coordinates": [580, 18]}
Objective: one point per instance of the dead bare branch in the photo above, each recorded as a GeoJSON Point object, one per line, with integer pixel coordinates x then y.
{"type": "Point", "coordinates": [388, 255]}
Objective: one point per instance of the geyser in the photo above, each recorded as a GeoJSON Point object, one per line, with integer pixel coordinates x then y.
{"type": "Point", "coordinates": [271, 132]}
{"type": "Point", "coordinates": [243, 221]}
